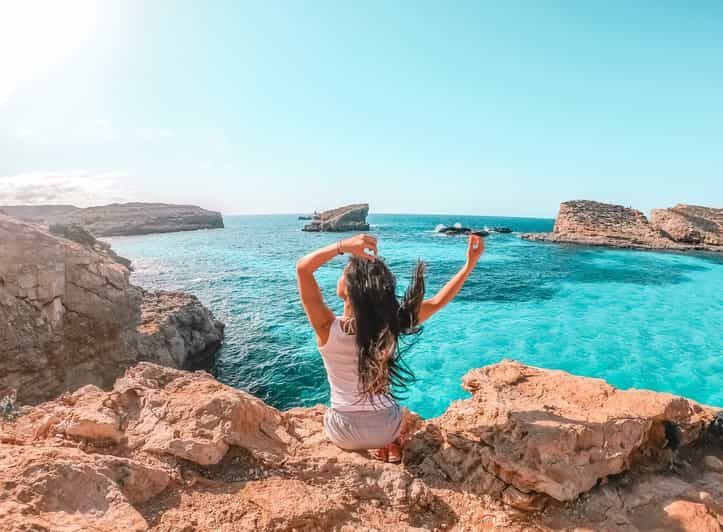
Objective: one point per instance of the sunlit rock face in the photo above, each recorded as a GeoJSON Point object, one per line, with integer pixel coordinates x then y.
{"type": "Point", "coordinates": [69, 315]}
{"type": "Point", "coordinates": [532, 449]}
{"type": "Point", "coordinates": [690, 224]}
{"type": "Point", "coordinates": [682, 228]}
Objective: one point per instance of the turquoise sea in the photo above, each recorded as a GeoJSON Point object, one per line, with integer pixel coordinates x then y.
{"type": "Point", "coordinates": [635, 318]}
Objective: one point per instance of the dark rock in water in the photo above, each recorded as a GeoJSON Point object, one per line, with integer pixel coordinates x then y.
{"type": "Point", "coordinates": [481, 232]}
{"type": "Point", "coordinates": [347, 218]}
{"type": "Point", "coordinates": [456, 230]}
{"type": "Point", "coordinates": [501, 229]}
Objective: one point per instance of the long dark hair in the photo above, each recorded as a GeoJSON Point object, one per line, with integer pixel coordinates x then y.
{"type": "Point", "coordinates": [380, 321]}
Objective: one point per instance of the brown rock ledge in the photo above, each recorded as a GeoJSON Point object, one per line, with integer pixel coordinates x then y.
{"type": "Point", "coordinates": [681, 228]}
{"type": "Point", "coordinates": [532, 449]}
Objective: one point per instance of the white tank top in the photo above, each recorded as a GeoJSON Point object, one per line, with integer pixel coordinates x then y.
{"type": "Point", "coordinates": [341, 360]}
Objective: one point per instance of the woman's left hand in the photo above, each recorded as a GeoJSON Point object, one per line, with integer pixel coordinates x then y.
{"type": "Point", "coordinates": [475, 248]}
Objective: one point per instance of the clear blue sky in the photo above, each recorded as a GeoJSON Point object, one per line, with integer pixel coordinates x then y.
{"type": "Point", "coordinates": [453, 107]}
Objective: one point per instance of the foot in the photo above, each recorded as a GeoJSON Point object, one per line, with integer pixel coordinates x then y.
{"type": "Point", "coordinates": [379, 454]}
{"type": "Point", "coordinates": [394, 452]}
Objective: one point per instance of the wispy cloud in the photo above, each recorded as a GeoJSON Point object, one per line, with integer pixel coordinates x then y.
{"type": "Point", "coordinates": [80, 188]}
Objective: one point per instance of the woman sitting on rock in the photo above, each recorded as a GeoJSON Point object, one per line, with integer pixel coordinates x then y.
{"type": "Point", "coordinates": [360, 349]}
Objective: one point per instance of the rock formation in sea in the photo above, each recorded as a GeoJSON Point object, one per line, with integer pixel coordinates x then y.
{"type": "Point", "coordinates": [532, 449]}
{"type": "Point", "coordinates": [690, 224]}
{"type": "Point", "coordinates": [347, 218]}
{"type": "Point", "coordinates": [681, 228]}
{"type": "Point", "coordinates": [70, 317]}
{"type": "Point", "coordinates": [120, 219]}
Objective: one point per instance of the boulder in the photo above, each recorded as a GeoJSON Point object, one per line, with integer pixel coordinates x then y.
{"type": "Point", "coordinates": [553, 433]}
{"type": "Point", "coordinates": [347, 218]}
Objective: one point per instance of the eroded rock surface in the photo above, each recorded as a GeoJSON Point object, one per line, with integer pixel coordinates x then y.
{"type": "Point", "coordinates": [682, 228]}
{"type": "Point", "coordinates": [171, 450]}
{"type": "Point", "coordinates": [690, 224]}
{"type": "Point", "coordinates": [119, 219]}
{"type": "Point", "coordinates": [347, 218]}
{"type": "Point", "coordinates": [69, 315]}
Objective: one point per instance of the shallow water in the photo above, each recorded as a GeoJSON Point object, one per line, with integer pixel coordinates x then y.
{"type": "Point", "coordinates": [637, 319]}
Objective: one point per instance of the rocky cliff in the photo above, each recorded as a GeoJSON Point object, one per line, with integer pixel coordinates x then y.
{"type": "Point", "coordinates": [69, 315]}
{"type": "Point", "coordinates": [682, 228]}
{"type": "Point", "coordinates": [532, 449]}
{"type": "Point", "coordinates": [690, 224]}
{"type": "Point", "coordinates": [119, 219]}
{"type": "Point", "coordinates": [347, 218]}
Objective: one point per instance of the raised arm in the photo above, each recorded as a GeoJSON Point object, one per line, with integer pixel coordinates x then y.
{"type": "Point", "coordinates": [475, 248]}
{"type": "Point", "coordinates": [320, 316]}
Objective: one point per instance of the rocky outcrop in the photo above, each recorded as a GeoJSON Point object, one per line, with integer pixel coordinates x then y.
{"type": "Point", "coordinates": [690, 224]}
{"type": "Point", "coordinates": [171, 450]}
{"type": "Point", "coordinates": [347, 218]}
{"type": "Point", "coordinates": [176, 330]}
{"type": "Point", "coordinates": [683, 228]}
{"type": "Point", "coordinates": [69, 315]}
{"type": "Point", "coordinates": [120, 219]}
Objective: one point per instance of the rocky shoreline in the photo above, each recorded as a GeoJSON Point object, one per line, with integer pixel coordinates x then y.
{"type": "Point", "coordinates": [680, 228]}
{"type": "Point", "coordinates": [93, 396]}
{"type": "Point", "coordinates": [121, 219]}
{"type": "Point", "coordinates": [532, 449]}
{"type": "Point", "coordinates": [69, 315]}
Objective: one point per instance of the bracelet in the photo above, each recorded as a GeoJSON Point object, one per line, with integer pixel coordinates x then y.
{"type": "Point", "coordinates": [338, 248]}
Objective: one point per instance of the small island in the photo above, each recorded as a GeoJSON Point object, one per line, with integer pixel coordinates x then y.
{"type": "Point", "coordinates": [347, 218]}
{"type": "Point", "coordinates": [121, 219]}
{"type": "Point", "coordinates": [680, 228]}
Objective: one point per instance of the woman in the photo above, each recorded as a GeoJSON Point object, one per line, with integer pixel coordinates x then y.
{"type": "Point", "coordinates": [360, 349]}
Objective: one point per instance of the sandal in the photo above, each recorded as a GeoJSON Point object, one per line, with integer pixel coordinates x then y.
{"type": "Point", "coordinates": [394, 452]}
{"type": "Point", "coordinates": [379, 454]}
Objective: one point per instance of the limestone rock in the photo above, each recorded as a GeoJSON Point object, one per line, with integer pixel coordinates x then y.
{"type": "Point", "coordinates": [70, 317]}
{"type": "Point", "coordinates": [554, 433]}
{"type": "Point", "coordinates": [593, 223]}
{"type": "Point", "coordinates": [166, 450]}
{"type": "Point", "coordinates": [347, 218]}
{"type": "Point", "coordinates": [690, 224]}
{"type": "Point", "coordinates": [176, 330]}
{"type": "Point", "coordinates": [119, 219]}
{"type": "Point", "coordinates": [47, 488]}
{"type": "Point", "coordinates": [692, 517]}
{"type": "Point", "coordinates": [714, 463]}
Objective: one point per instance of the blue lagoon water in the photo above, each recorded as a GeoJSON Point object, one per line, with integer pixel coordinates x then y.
{"type": "Point", "coordinates": [637, 319]}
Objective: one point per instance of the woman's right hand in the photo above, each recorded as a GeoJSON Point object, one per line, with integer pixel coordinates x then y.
{"type": "Point", "coordinates": [364, 246]}
{"type": "Point", "coordinates": [475, 248]}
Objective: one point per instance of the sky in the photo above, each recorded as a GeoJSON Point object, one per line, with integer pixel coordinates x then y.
{"type": "Point", "coordinates": [489, 108]}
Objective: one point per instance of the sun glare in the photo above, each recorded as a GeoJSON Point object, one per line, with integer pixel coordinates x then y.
{"type": "Point", "coordinates": [37, 36]}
